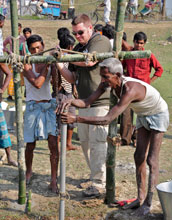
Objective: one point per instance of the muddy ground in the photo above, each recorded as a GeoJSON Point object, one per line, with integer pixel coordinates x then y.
{"type": "Point", "coordinates": [45, 205]}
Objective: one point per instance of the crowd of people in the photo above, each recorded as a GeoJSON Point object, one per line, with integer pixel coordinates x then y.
{"type": "Point", "coordinates": [129, 81]}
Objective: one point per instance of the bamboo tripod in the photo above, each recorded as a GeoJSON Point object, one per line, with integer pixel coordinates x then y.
{"type": "Point", "coordinates": [110, 179]}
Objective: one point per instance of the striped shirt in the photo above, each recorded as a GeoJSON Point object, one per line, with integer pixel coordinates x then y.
{"type": "Point", "coordinates": [64, 83]}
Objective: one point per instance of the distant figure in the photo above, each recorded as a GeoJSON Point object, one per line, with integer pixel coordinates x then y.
{"type": "Point", "coordinates": [109, 31]}
{"type": "Point", "coordinates": [107, 9]}
{"type": "Point", "coordinates": [133, 8]}
{"type": "Point", "coordinates": [8, 43]}
{"type": "Point", "coordinates": [40, 4]}
{"type": "Point", "coordinates": [23, 49]}
{"type": "Point", "coordinates": [98, 28]}
{"type": "Point", "coordinates": [64, 89]}
{"type": "Point", "coordinates": [23, 46]}
{"type": "Point", "coordinates": [8, 40]}
{"type": "Point", "coordinates": [5, 141]}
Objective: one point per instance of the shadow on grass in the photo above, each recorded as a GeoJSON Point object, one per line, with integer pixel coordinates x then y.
{"type": "Point", "coordinates": [167, 136]}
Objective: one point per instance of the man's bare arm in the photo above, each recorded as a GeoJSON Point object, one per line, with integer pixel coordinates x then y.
{"type": "Point", "coordinates": [99, 120]}
{"type": "Point", "coordinates": [126, 46]}
{"type": "Point", "coordinates": [8, 74]}
{"type": "Point", "coordinates": [38, 81]}
{"type": "Point", "coordinates": [67, 74]}
{"type": "Point", "coordinates": [84, 64]}
{"type": "Point", "coordinates": [134, 92]}
{"type": "Point", "coordinates": [83, 103]}
{"type": "Point", "coordinates": [105, 120]}
{"type": "Point", "coordinates": [7, 41]}
{"type": "Point", "coordinates": [153, 79]}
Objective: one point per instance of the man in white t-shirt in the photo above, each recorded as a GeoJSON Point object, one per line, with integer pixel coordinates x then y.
{"type": "Point", "coordinates": [40, 117]}
{"type": "Point", "coordinates": [107, 9]}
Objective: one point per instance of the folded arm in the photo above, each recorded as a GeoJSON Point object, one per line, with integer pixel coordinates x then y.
{"type": "Point", "coordinates": [38, 81]}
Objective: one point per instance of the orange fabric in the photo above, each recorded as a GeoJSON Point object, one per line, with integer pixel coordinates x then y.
{"type": "Point", "coordinates": [11, 83]}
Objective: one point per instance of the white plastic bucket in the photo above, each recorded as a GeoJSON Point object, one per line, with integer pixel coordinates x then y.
{"type": "Point", "coordinates": [165, 197]}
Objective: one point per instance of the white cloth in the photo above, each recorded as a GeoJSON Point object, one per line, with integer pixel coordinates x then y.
{"type": "Point", "coordinates": [107, 10]}
{"type": "Point", "coordinates": [133, 2]}
{"type": "Point", "coordinates": [32, 93]}
{"type": "Point", "coordinates": [1, 43]}
{"type": "Point", "coordinates": [94, 145]}
{"type": "Point", "coordinates": [152, 104]}
{"type": "Point", "coordinates": [111, 42]}
{"type": "Point", "coordinates": [108, 4]}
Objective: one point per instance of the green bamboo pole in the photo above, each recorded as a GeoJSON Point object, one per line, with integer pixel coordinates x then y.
{"type": "Point", "coordinates": [29, 202]}
{"type": "Point", "coordinates": [111, 152]}
{"type": "Point", "coordinates": [18, 106]}
{"type": "Point", "coordinates": [123, 55]}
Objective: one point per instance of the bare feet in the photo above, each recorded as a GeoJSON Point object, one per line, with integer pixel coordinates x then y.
{"type": "Point", "coordinates": [12, 163]}
{"type": "Point", "coordinates": [142, 210]}
{"type": "Point", "coordinates": [28, 178]}
{"type": "Point", "coordinates": [53, 187]}
{"type": "Point", "coordinates": [134, 204]}
{"type": "Point", "coordinates": [71, 147]}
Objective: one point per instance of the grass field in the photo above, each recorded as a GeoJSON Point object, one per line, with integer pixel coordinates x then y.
{"type": "Point", "coordinates": [45, 205]}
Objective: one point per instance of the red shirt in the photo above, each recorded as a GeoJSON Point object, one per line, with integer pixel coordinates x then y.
{"type": "Point", "coordinates": [141, 68]}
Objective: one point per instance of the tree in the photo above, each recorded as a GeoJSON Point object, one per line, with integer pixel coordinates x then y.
{"type": "Point", "coordinates": [163, 9]}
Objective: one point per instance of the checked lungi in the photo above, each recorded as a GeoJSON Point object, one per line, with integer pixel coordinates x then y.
{"type": "Point", "coordinates": [5, 140]}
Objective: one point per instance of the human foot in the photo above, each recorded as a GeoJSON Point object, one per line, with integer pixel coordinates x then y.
{"type": "Point", "coordinates": [28, 178]}
{"type": "Point", "coordinates": [53, 187]}
{"type": "Point", "coordinates": [71, 147]}
{"type": "Point", "coordinates": [91, 191]}
{"type": "Point", "coordinates": [134, 204]}
{"type": "Point", "coordinates": [12, 163]}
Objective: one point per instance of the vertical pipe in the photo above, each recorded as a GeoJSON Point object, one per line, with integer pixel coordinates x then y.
{"type": "Point", "coordinates": [111, 151]}
{"type": "Point", "coordinates": [62, 171]}
{"type": "Point", "coordinates": [18, 106]}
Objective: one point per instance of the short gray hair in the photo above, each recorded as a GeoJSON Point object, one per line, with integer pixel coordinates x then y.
{"type": "Point", "coordinates": [113, 64]}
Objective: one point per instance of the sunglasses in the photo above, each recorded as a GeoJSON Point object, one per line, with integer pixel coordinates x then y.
{"type": "Point", "coordinates": [79, 32]}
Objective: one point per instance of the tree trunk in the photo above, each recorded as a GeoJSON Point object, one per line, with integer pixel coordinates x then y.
{"type": "Point", "coordinates": [163, 10]}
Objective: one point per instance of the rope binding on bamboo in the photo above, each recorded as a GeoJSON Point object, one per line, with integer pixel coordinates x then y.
{"type": "Point", "coordinates": [15, 60]}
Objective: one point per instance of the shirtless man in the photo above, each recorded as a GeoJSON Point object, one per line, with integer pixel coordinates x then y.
{"type": "Point", "coordinates": [152, 122]}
